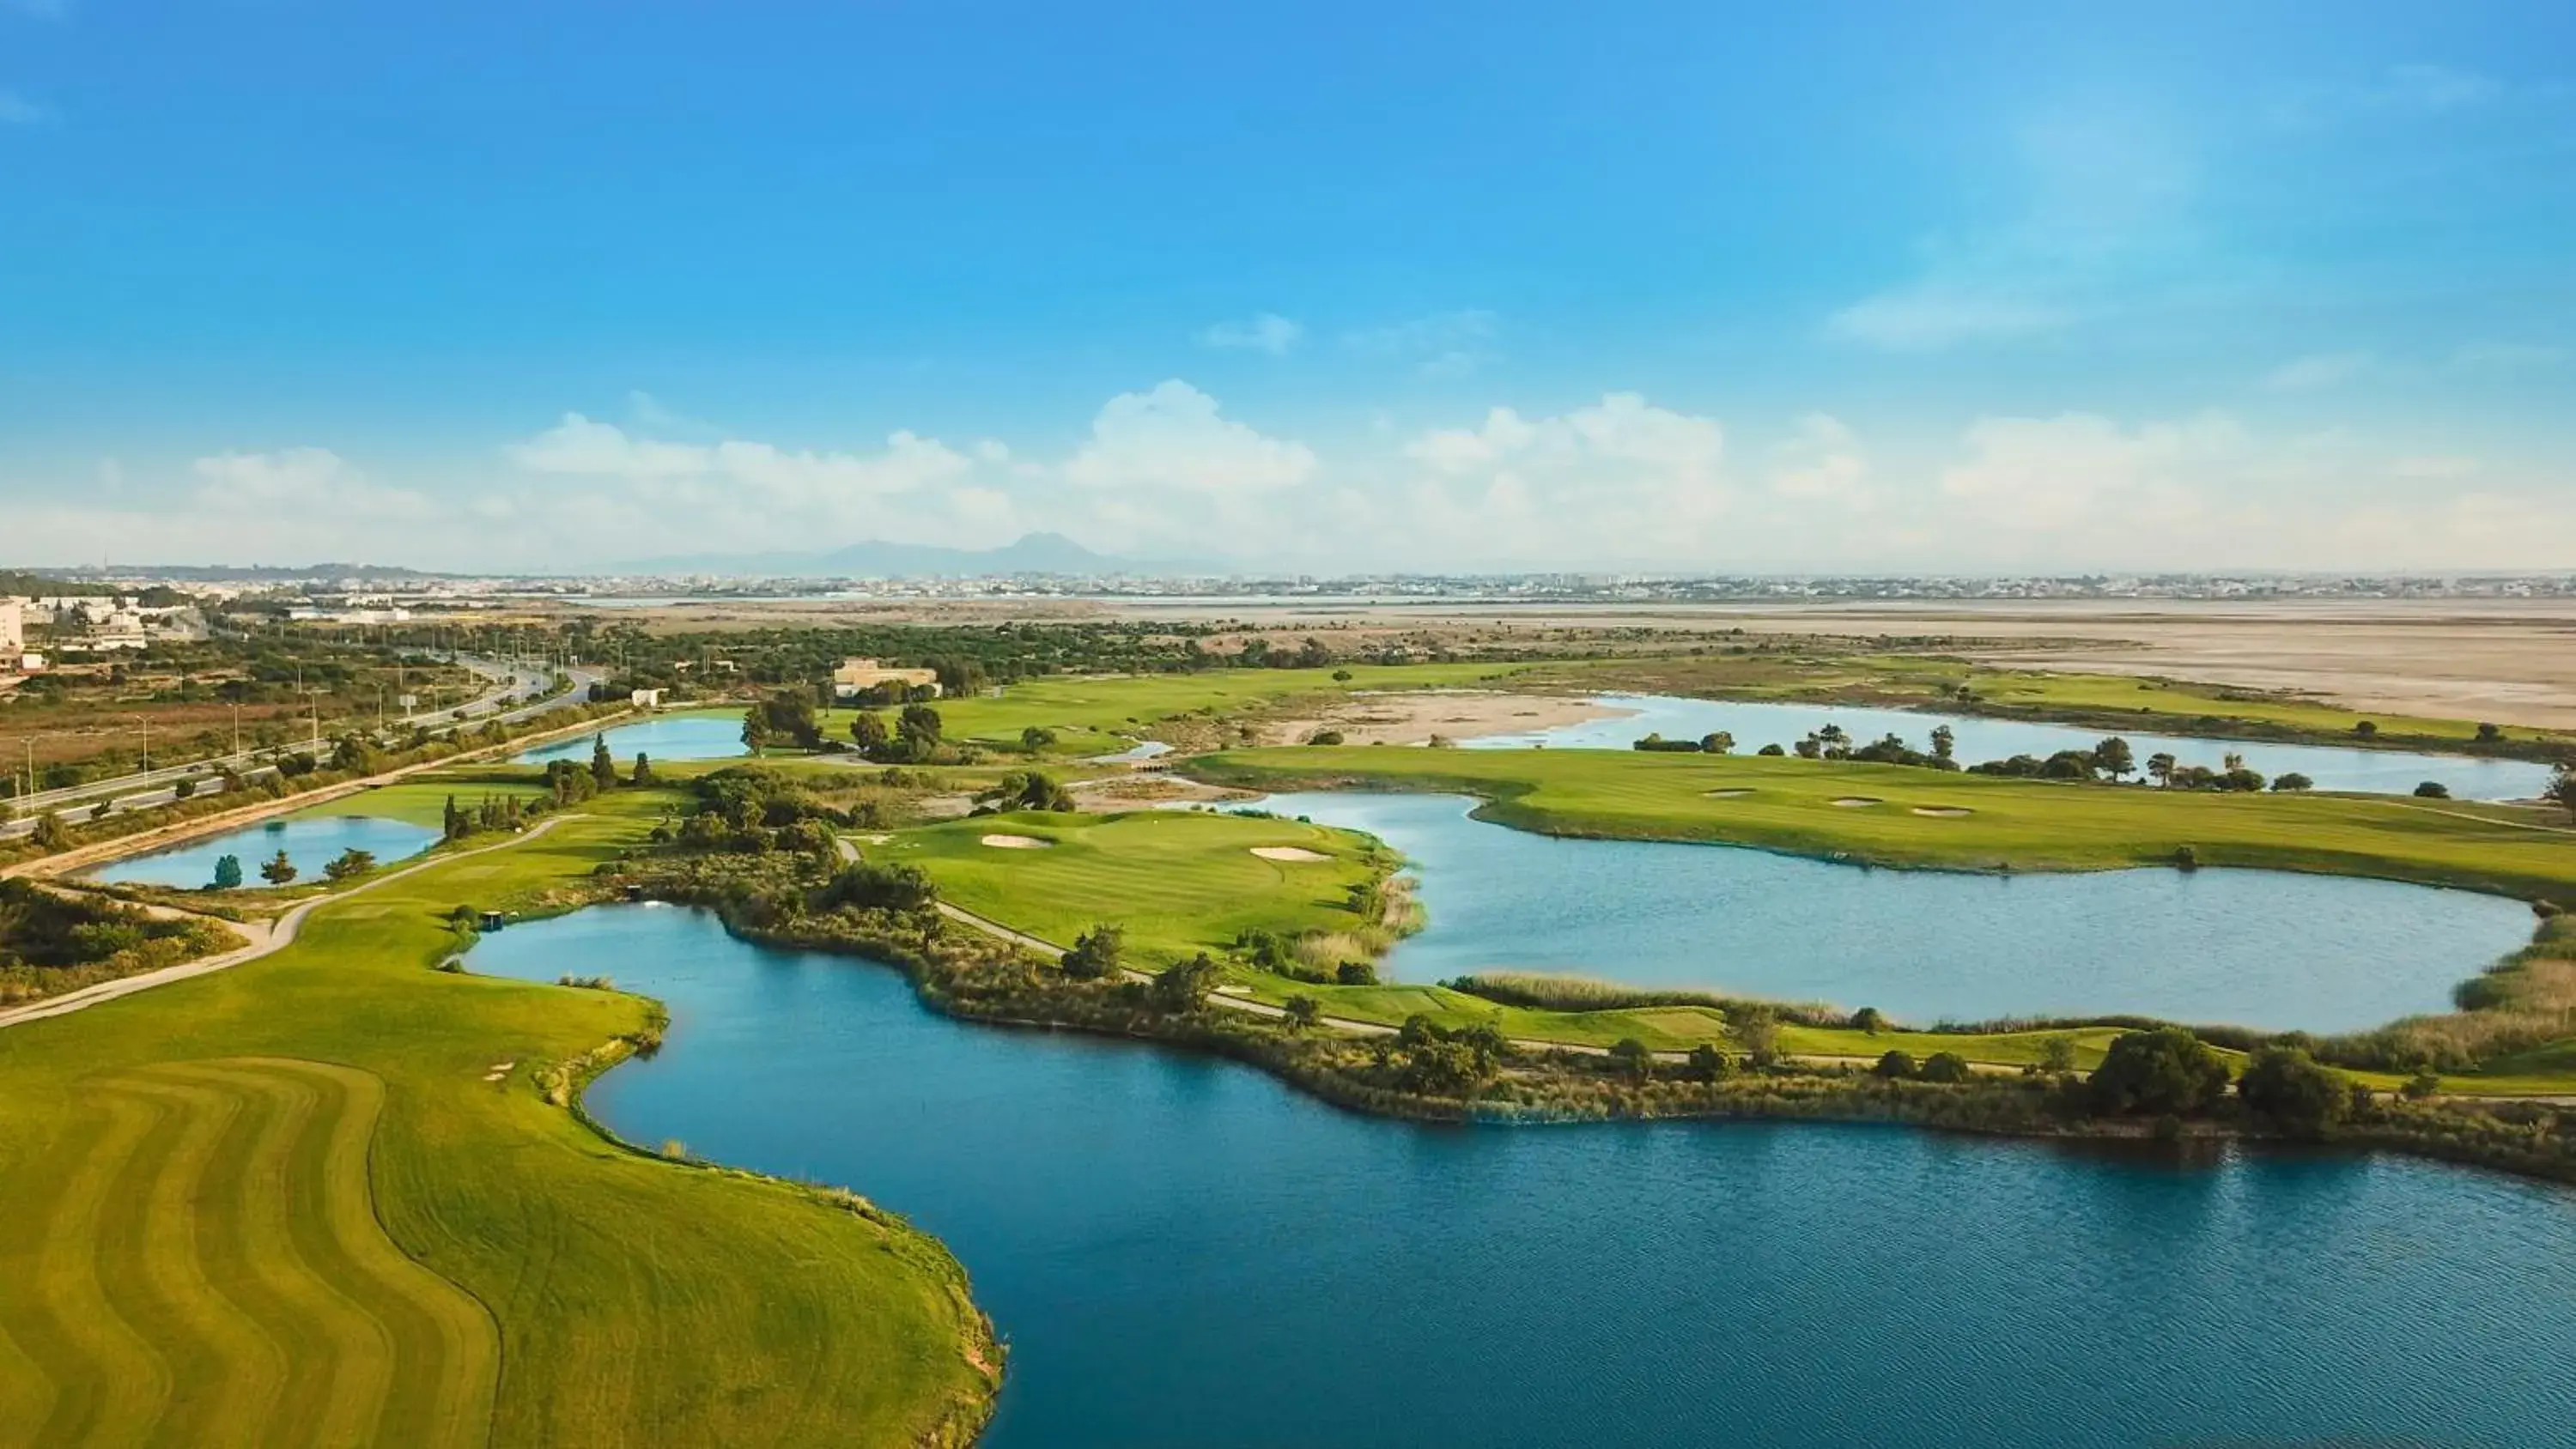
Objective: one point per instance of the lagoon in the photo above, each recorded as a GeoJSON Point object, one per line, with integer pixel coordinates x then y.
{"type": "Point", "coordinates": [670, 737]}
{"type": "Point", "coordinates": [310, 842]}
{"type": "Point", "coordinates": [1182, 1252]}
{"type": "Point", "coordinates": [1757, 723]}
{"type": "Point", "coordinates": [2252, 948]}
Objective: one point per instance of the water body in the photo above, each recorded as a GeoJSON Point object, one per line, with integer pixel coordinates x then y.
{"type": "Point", "coordinates": [311, 842]}
{"type": "Point", "coordinates": [1183, 1253]}
{"type": "Point", "coordinates": [1755, 724]}
{"type": "Point", "coordinates": [670, 737]}
{"type": "Point", "coordinates": [2255, 948]}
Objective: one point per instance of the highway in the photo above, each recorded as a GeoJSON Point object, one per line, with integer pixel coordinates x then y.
{"type": "Point", "coordinates": [518, 692]}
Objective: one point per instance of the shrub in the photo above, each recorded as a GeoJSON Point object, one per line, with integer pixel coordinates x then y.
{"type": "Point", "coordinates": [2286, 1087]}
{"type": "Point", "coordinates": [1095, 954]}
{"type": "Point", "coordinates": [1631, 1057]}
{"type": "Point", "coordinates": [1355, 973]}
{"type": "Point", "coordinates": [1947, 1067]}
{"type": "Point", "coordinates": [2432, 790]}
{"type": "Point", "coordinates": [1894, 1065]}
{"type": "Point", "coordinates": [2167, 1071]}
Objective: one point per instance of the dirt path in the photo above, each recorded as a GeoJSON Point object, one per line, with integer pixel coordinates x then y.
{"type": "Point", "coordinates": [265, 937]}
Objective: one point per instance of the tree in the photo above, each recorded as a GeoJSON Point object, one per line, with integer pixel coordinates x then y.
{"type": "Point", "coordinates": [1868, 1020]}
{"type": "Point", "coordinates": [1632, 1058]}
{"type": "Point", "coordinates": [1028, 790]}
{"type": "Point", "coordinates": [51, 833]}
{"type": "Point", "coordinates": [1772, 749]}
{"type": "Point", "coordinates": [1707, 1063]}
{"type": "Point", "coordinates": [2489, 734]}
{"type": "Point", "coordinates": [1757, 1028]}
{"type": "Point", "coordinates": [755, 729]}
{"type": "Point", "coordinates": [1301, 1012]}
{"type": "Point", "coordinates": [868, 731]}
{"type": "Point", "coordinates": [2057, 1055]}
{"type": "Point", "coordinates": [2160, 767]}
{"type": "Point", "coordinates": [643, 769]}
{"type": "Point", "coordinates": [919, 727]}
{"type": "Point", "coordinates": [1185, 986]}
{"type": "Point", "coordinates": [2432, 790]}
{"type": "Point", "coordinates": [2562, 787]}
{"type": "Point", "coordinates": [1894, 1065]}
{"type": "Point", "coordinates": [1036, 738]}
{"type": "Point", "coordinates": [869, 885]}
{"type": "Point", "coordinates": [182, 789]}
{"type": "Point", "coordinates": [2113, 758]}
{"type": "Point", "coordinates": [2291, 782]}
{"type": "Point", "coordinates": [228, 873]}
{"type": "Point", "coordinates": [2164, 1071]}
{"type": "Point", "coordinates": [2365, 729]}
{"type": "Point", "coordinates": [603, 766]}
{"type": "Point", "coordinates": [2287, 1088]}
{"type": "Point", "coordinates": [350, 862]}
{"type": "Point", "coordinates": [1095, 954]}
{"type": "Point", "coordinates": [1717, 742]}
{"type": "Point", "coordinates": [454, 823]}
{"type": "Point", "coordinates": [278, 871]}
{"type": "Point", "coordinates": [1945, 743]}
{"type": "Point", "coordinates": [1948, 1067]}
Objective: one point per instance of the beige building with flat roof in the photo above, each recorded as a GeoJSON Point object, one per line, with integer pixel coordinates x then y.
{"type": "Point", "coordinates": [857, 676]}
{"type": "Point", "coordinates": [13, 633]}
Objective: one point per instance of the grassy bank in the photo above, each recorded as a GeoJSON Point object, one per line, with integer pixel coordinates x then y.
{"type": "Point", "coordinates": [1900, 816]}
{"type": "Point", "coordinates": [322, 1198]}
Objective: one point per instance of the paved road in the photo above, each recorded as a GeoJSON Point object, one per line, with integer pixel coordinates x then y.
{"type": "Point", "coordinates": [518, 694]}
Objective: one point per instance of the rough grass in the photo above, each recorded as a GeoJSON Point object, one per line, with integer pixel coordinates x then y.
{"type": "Point", "coordinates": [632, 1300]}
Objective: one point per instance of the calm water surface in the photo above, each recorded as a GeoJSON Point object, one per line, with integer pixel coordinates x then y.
{"type": "Point", "coordinates": [672, 737]}
{"type": "Point", "coordinates": [310, 842]}
{"type": "Point", "coordinates": [1755, 724]}
{"type": "Point", "coordinates": [1183, 1253]}
{"type": "Point", "coordinates": [2256, 948]}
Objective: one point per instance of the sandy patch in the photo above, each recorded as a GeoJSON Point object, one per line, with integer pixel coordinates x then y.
{"type": "Point", "coordinates": [1457, 714]}
{"type": "Point", "coordinates": [1944, 812]}
{"type": "Point", "coordinates": [1287, 852]}
{"type": "Point", "coordinates": [1726, 794]}
{"type": "Point", "coordinates": [1854, 802]}
{"type": "Point", "coordinates": [1017, 842]}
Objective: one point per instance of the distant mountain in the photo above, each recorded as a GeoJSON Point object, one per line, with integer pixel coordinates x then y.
{"type": "Point", "coordinates": [1035, 553]}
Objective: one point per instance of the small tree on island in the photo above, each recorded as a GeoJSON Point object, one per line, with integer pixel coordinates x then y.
{"type": "Point", "coordinates": [228, 873]}
{"type": "Point", "coordinates": [278, 871]}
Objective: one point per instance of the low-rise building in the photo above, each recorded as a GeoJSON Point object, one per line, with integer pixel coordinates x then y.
{"type": "Point", "coordinates": [13, 635]}
{"type": "Point", "coordinates": [858, 676]}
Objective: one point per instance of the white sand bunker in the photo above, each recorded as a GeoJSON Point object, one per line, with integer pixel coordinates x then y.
{"type": "Point", "coordinates": [1944, 812]}
{"type": "Point", "coordinates": [1726, 794]}
{"type": "Point", "coordinates": [1017, 842]}
{"type": "Point", "coordinates": [1287, 852]}
{"type": "Point", "coordinates": [1854, 802]}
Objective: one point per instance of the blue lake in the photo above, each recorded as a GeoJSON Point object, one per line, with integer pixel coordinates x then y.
{"type": "Point", "coordinates": [310, 842]}
{"type": "Point", "coordinates": [2253, 948]}
{"type": "Point", "coordinates": [1758, 723]}
{"type": "Point", "coordinates": [1181, 1252]}
{"type": "Point", "coordinates": [671, 737]}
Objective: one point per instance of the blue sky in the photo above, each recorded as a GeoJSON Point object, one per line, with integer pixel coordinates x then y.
{"type": "Point", "coordinates": [1674, 286]}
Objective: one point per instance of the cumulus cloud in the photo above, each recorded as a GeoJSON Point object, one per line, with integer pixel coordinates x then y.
{"type": "Point", "coordinates": [294, 482]}
{"type": "Point", "coordinates": [1263, 332]}
{"type": "Point", "coordinates": [1822, 463]}
{"type": "Point", "coordinates": [1620, 481]}
{"type": "Point", "coordinates": [1173, 439]}
{"type": "Point", "coordinates": [579, 447]}
{"type": "Point", "coordinates": [2079, 470]}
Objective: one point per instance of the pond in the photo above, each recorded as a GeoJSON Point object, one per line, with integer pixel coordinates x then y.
{"type": "Point", "coordinates": [669, 737]}
{"type": "Point", "coordinates": [310, 842]}
{"type": "Point", "coordinates": [2253, 948]}
{"type": "Point", "coordinates": [1758, 723]}
{"type": "Point", "coordinates": [1181, 1252]}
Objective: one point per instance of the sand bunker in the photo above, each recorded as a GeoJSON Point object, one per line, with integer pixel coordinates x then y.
{"type": "Point", "coordinates": [1726, 794]}
{"type": "Point", "coordinates": [1017, 842]}
{"type": "Point", "coordinates": [1287, 852]}
{"type": "Point", "coordinates": [1854, 802]}
{"type": "Point", "coordinates": [1943, 812]}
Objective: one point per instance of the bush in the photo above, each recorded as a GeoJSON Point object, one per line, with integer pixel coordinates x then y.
{"type": "Point", "coordinates": [2287, 1088]}
{"type": "Point", "coordinates": [2432, 790]}
{"type": "Point", "coordinates": [1095, 954]}
{"type": "Point", "coordinates": [1894, 1065]}
{"type": "Point", "coordinates": [1948, 1067]}
{"type": "Point", "coordinates": [1355, 973]}
{"type": "Point", "coordinates": [2163, 1072]}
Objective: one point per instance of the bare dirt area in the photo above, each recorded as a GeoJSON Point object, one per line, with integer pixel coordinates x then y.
{"type": "Point", "coordinates": [1144, 789]}
{"type": "Point", "coordinates": [1456, 714]}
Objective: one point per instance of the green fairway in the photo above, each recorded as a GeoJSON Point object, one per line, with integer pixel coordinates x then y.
{"type": "Point", "coordinates": [1177, 881]}
{"type": "Point", "coordinates": [1899, 815]}
{"type": "Point", "coordinates": [320, 1199]}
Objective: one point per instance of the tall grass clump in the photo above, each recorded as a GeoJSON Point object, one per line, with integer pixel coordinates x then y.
{"type": "Point", "coordinates": [2525, 1000]}
{"type": "Point", "coordinates": [1556, 991]}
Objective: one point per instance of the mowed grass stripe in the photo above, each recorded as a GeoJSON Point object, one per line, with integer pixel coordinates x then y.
{"type": "Point", "coordinates": [412, 1359]}
{"type": "Point", "coordinates": [225, 1369]}
{"type": "Point", "coordinates": [109, 1383]}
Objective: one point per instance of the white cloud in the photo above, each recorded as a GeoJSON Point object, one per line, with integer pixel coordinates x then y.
{"type": "Point", "coordinates": [1931, 316]}
{"type": "Point", "coordinates": [2318, 371]}
{"type": "Point", "coordinates": [17, 110]}
{"type": "Point", "coordinates": [1263, 332]}
{"type": "Point", "coordinates": [1443, 345]}
{"type": "Point", "coordinates": [1173, 439]}
{"type": "Point", "coordinates": [1822, 464]}
{"type": "Point", "coordinates": [2076, 472]}
{"type": "Point", "coordinates": [1621, 481]}
{"type": "Point", "coordinates": [298, 482]}
{"type": "Point", "coordinates": [579, 447]}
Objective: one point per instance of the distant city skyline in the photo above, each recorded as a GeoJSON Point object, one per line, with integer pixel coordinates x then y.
{"type": "Point", "coordinates": [1677, 288]}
